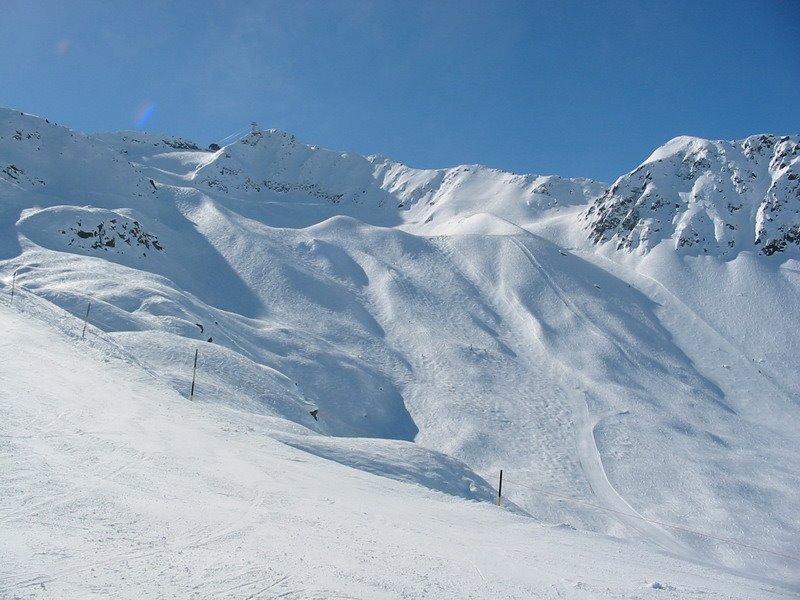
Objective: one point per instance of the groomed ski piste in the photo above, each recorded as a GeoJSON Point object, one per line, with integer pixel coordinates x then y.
{"type": "Point", "coordinates": [640, 392]}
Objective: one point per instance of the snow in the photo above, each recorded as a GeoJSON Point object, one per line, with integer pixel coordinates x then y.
{"type": "Point", "coordinates": [446, 324]}
{"type": "Point", "coordinates": [680, 144]}
{"type": "Point", "coordinates": [114, 485]}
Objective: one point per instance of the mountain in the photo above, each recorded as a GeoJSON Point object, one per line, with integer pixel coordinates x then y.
{"type": "Point", "coordinates": [707, 197]}
{"type": "Point", "coordinates": [450, 323]}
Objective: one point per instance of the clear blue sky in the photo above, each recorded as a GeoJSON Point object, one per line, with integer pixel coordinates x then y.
{"type": "Point", "coordinates": [572, 88]}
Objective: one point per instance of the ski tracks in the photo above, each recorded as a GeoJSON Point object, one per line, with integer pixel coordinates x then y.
{"type": "Point", "coordinates": [586, 445]}
{"type": "Point", "coordinates": [539, 413]}
{"type": "Point", "coordinates": [592, 464]}
{"type": "Point", "coordinates": [228, 530]}
{"type": "Point", "coordinates": [588, 454]}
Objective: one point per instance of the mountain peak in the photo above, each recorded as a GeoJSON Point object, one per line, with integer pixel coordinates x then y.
{"type": "Point", "coordinates": [682, 144]}
{"type": "Point", "coordinates": [706, 197]}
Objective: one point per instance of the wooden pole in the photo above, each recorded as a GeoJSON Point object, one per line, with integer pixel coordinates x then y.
{"type": "Point", "coordinates": [85, 319]}
{"type": "Point", "coordinates": [500, 489]}
{"type": "Point", "coordinates": [194, 374]}
{"type": "Point", "coordinates": [13, 285]}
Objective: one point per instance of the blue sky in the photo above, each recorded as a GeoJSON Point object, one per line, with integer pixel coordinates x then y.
{"type": "Point", "coordinates": [572, 88]}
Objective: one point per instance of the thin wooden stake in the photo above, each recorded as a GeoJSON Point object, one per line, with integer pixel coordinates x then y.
{"type": "Point", "coordinates": [194, 374]}
{"type": "Point", "coordinates": [13, 285]}
{"type": "Point", "coordinates": [85, 319]}
{"type": "Point", "coordinates": [500, 489]}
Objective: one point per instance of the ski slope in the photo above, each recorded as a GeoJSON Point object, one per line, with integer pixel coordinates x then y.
{"type": "Point", "coordinates": [114, 485]}
{"type": "Point", "coordinates": [445, 323]}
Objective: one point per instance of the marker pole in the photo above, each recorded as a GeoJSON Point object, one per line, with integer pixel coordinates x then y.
{"type": "Point", "coordinates": [500, 489]}
{"type": "Point", "coordinates": [85, 319]}
{"type": "Point", "coordinates": [194, 375]}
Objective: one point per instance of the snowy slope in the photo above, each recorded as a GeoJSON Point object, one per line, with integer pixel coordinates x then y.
{"type": "Point", "coordinates": [116, 486]}
{"type": "Point", "coordinates": [465, 309]}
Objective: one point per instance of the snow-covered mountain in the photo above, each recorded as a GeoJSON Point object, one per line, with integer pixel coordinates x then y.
{"type": "Point", "coordinates": [625, 354]}
{"type": "Point", "coordinates": [707, 197]}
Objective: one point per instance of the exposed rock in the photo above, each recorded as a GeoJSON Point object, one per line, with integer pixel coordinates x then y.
{"type": "Point", "coordinates": [105, 234]}
{"type": "Point", "coordinates": [707, 197]}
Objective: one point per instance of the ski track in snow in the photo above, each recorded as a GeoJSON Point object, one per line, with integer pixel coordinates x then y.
{"type": "Point", "coordinates": [587, 452]}
{"type": "Point", "coordinates": [548, 407]}
{"type": "Point", "coordinates": [592, 464]}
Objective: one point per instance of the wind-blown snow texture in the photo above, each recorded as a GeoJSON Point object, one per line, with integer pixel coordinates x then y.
{"type": "Point", "coordinates": [630, 347]}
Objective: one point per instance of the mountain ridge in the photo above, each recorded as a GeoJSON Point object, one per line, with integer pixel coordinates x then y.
{"type": "Point", "coordinates": [750, 186]}
{"type": "Point", "coordinates": [464, 309]}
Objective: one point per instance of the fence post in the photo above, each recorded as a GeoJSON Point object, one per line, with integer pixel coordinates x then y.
{"type": "Point", "coordinates": [194, 374]}
{"type": "Point", "coordinates": [85, 319]}
{"type": "Point", "coordinates": [500, 489]}
{"type": "Point", "coordinates": [13, 285]}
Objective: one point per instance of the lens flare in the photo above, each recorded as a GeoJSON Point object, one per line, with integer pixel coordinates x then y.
{"type": "Point", "coordinates": [143, 114]}
{"type": "Point", "coordinates": [63, 46]}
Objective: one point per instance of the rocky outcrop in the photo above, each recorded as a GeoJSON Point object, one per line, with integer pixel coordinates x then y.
{"type": "Point", "coordinates": [112, 234]}
{"type": "Point", "coordinates": [706, 197]}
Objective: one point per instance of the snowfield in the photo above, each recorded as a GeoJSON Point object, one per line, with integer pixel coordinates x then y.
{"type": "Point", "coordinates": [116, 486]}
{"type": "Point", "coordinates": [640, 392]}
